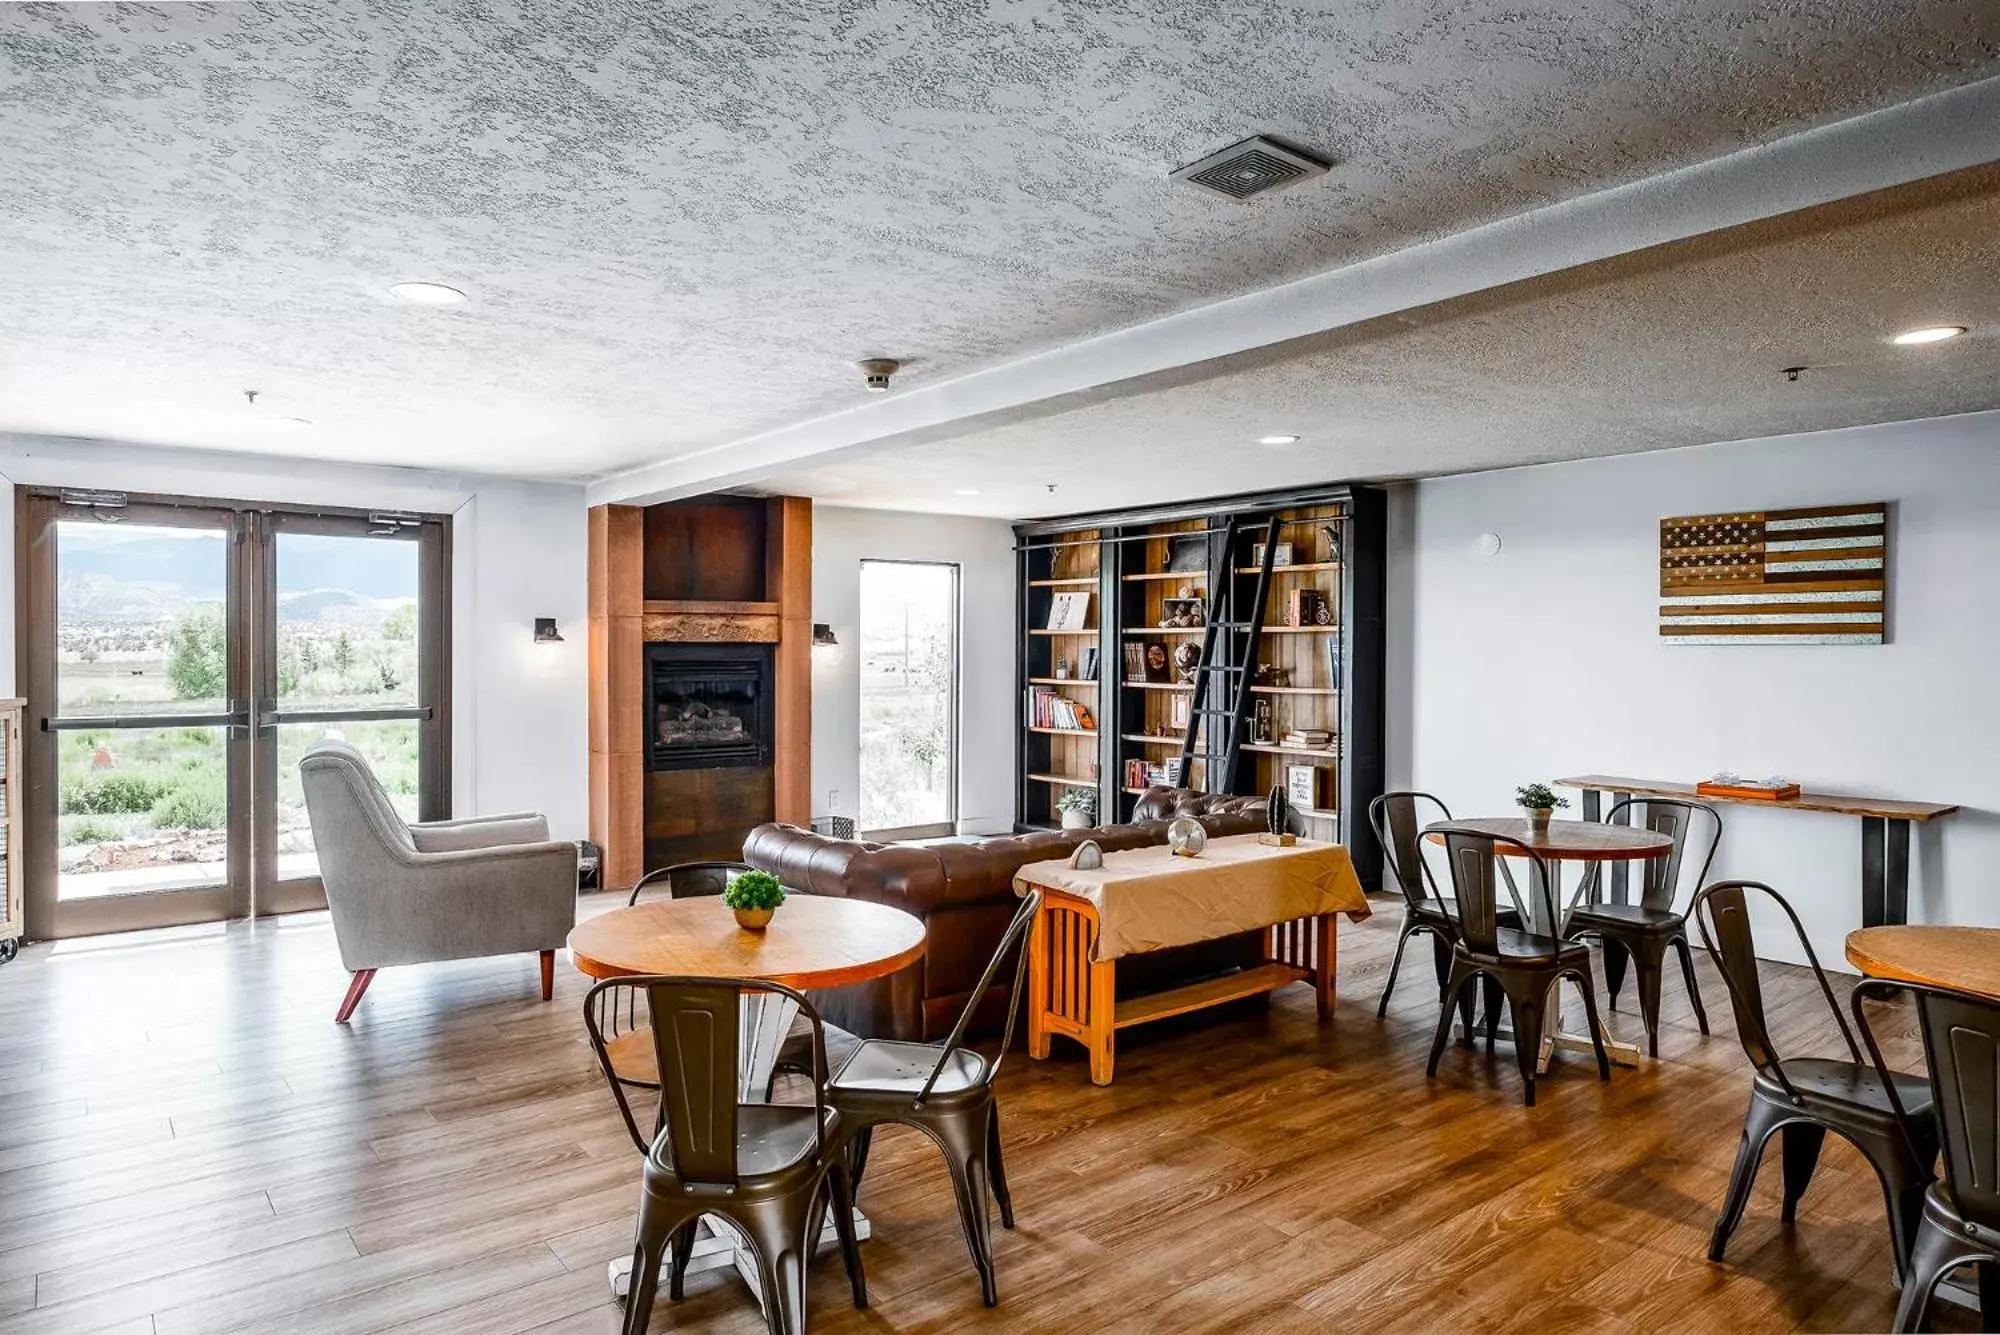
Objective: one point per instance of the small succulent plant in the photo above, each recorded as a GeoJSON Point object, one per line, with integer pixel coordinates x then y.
{"type": "Point", "coordinates": [753, 890]}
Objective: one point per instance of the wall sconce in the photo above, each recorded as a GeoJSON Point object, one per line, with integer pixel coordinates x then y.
{"type": "Point", "coordinates": [826, 649]}
{"type": "Point", "coordinates": [546, 632]}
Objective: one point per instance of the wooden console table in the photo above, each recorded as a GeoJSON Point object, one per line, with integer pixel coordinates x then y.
{"type": "Point", "coordinates": [1154, 901]}
{"type": "Point", "coordinates": [1885, 834]}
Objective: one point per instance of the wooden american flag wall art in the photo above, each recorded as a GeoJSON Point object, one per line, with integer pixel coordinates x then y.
{"type": "Point", "coordinates": [1816, 576]}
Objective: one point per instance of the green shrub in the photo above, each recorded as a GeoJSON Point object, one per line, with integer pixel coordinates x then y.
{"type": "Point", "coordinates": [197, 802]}
{"type": "Point", "coordinates": [88, 831]}
{"type": "Point", "coordinates": [753, 890]}
{"type": "Point", "coordinates": [110, 794]}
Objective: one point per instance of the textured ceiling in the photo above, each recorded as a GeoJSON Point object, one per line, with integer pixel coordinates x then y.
{"type": "Point", "coordinates": [681, 223]}
{"type": "Point", "coordinates": [1682, 345]}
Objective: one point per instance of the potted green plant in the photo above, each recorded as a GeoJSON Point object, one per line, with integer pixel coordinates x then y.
{"type": "Point", "coordinates": [1078, 807]}
{"type": "Point", "coordinates": [1540, 802]}
{"type": "Point", "coordinates": [754, 897]}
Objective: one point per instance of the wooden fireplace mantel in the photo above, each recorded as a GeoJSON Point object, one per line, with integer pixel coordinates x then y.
{"type": "Point", "coordinates": [667, 621]}
{"type": "Point", "coordinates": [755, 558]}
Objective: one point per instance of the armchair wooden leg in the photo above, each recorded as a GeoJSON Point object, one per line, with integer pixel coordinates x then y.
{"type": "Point", "coordinates": [355, 987]}
{"type": "Point", "coordinates": [548, 974]}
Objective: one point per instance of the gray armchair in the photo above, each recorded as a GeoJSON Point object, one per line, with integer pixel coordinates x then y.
{"type": "Point", "coordinates": [442, 890]}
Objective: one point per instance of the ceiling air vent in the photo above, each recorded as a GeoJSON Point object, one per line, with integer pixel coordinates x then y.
{"type": "Point", "coordinates": [1256, 166]}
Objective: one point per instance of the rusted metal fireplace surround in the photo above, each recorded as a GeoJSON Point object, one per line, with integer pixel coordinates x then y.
{"type": "Point", "coordinates": [708, 706]}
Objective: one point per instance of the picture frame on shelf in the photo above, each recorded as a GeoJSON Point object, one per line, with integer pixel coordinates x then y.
{"type": "Point", "coordinates": [1283, 556]}
{"type": "Point", "coordinates": [1158, 664]}
{"type": "Point", "coordinates": [1188, 554]}
{"type": "Point", "coordinates": [1308, 786]}
{"type": "Point", "coordinates": [1180, 709]}
{"type": "Point", "coordinates": [1069, 611]}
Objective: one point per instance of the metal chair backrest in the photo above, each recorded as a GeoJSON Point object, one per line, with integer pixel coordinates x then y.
{"type": "Point", "coordinates": [1722, 912]}
{"type": "Point", "coordinates": [691, 880]}
{"type": "Point", "coordinates": [1398, 819]}
{"type": "Point", "coordinates": [1679, 820]}
{"type": "Point", "coordinates": [1015, 936]}
{"type": "Point", "coordinates": [1962, 1048]}
{"type": "Point", "coordinates": [1475, 884]}
{"type": "Point", "coordinates": [696, 1028]}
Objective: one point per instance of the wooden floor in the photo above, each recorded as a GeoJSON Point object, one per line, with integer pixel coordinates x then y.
{"type": "Point", "coordinates": [189, 1145]}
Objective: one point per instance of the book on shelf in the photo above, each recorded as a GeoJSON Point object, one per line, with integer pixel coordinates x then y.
{"type": "Point", "coordinates": [1050, 709]}
{"type": "Point", "coordinates": [1087, 670]}
{"type": "Point", "coordinates": [1069, 611]}
{"type": "Point", "coordinates": [1137, 774]}
{"type": "Point", "coordinates": [1316, 738]}
{"type": "Point", "coordinates": [1135, 660]}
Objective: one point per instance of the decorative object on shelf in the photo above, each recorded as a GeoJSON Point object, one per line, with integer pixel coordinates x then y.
{"type": "Point", "coordinates": [1078, 807]}
{"type": "Point", "coordinates": [1283, 556]}
{"type": "Point", "coordinates": [1187, 554]}
{"type": "Point", "coordinates": [753, 897]}
{"type": "Point", "coordinates": [1728, 579]}
{"type": "Point", "coordinates": [1135, 660]}
{"type": "Point", "coordinates": [1185, 591]}
{"type": "Point", "coordinates": [1323, 613]}
{"type": "Point", "coordinates": [1180, 613]}
{"type": "Point", "coordinates": [1185, 837]}
{"type": "Point", "coordinates": [1180, 708]}
{"type": "Point", "coordinates": [1310, 786]}
{"type": "Point", "coordinates": [1187, 658]}
{"type": "Point", "coordinates": [1331, 533]}
{"type": "Point", "coordinates": [1268, 674]}
{"type": "Point", "coordinates": [1088, 671]}
{"type": "Point", "coordinates": [1157, 664]}
{"type": "Point", "coordinates": [546, 632]}
{"type": "Point", "coordinates": [1260, 721]}
{"type": "Point", "coordinates": [825, 649]}
{"type": "Point", "coordinates": [1540, 802]}
{"type": "Point", "coordinates": [1087, 856]}
{"type": "Point", "coordinates": [1069, 611]}
{"type": "Point", "coordinates": [1303, 607]}
{"type": "Point", "coordinates": [1728, 784]}
{"type": "Point", "coordinates": [1062, 668]}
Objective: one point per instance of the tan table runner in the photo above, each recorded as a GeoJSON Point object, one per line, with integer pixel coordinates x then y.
{"type": "Point", "coordinates": [1148, 899]}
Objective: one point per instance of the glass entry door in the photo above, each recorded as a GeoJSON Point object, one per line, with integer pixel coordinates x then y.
{"type": "Point", "coordinates": [177, 657]}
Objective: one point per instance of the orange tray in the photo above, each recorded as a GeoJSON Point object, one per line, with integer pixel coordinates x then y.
{"type": "Point", "coordinates": [1747, 794]}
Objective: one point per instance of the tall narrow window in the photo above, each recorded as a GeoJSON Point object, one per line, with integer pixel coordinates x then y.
{"type": "Point", "coordinates": [909, 698]}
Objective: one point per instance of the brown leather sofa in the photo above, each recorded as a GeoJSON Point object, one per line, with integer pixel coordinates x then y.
{"type": "Point", "coordinates": [964, 893]}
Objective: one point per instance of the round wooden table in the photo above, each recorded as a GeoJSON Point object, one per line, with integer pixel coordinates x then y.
{"type": "Point", "coordinates": [813, 941]}
{"type": "Point", "coordinates": [1580, 841]}
{"type": "Point", "coordinates": [1965, 959]}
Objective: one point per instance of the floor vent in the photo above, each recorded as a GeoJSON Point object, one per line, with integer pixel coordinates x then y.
{"type": "Point", "coordinates": [1256, 166]}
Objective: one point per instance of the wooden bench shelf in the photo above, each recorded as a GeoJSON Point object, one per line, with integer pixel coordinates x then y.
{"type": "Point", "coordinates": [1250, 982]}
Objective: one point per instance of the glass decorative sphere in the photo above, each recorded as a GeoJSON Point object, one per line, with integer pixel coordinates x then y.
{"type": "Point", "coordinates": [1186, 837]}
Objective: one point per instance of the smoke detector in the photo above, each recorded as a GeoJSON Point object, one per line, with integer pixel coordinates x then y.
{"type": "Point", "coordinates": [1257, 166]}
{"type": "Point", "coordinates": [878, 370]}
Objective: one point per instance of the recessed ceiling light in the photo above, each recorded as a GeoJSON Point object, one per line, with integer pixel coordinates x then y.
{"type": "Point", "coordinates": [1277, 440]}
{"type": "Point", "coordinates": [427, 294]}
{"type": "Point", "coordinates": [1935, 334]}
{"type": "Point", "coordinates": [966, 491]}
{"type": "Point", "coordinates": [287, 422]}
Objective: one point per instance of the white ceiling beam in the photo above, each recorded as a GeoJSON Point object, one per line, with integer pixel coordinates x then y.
{"type": "Point", "coordinates": [1946, 132]}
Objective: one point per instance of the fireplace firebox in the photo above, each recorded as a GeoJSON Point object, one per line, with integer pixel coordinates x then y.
{"type": "Point", "coordinates": [708, 705]}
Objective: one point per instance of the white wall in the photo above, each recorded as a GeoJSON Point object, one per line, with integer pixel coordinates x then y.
{"type": "Point", "coordinates": [517, 553]}
{"type": "Point", "coordinates": [983, 549]}
{"type": "Point", "coordinates": [1545, 659]}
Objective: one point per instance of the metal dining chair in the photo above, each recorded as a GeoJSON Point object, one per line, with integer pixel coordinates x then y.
{"type": "Point", "coordinates": [1524, 965]}
{"type": "Point", "coordinates": [1398, 820]}
{"type": "Point", "coordinates": [690, 880]}
{"type": "Point", "coordinates": [1885, 1115]}
{"type": "Point", "coordinates": [1959, 1224]}
{"type": "Point", "coordinates": [765, 1168]}
{"type": "Point", "coordinates": [1644, 932]}
{"type": "Point", "coordinates": [945, 1091]}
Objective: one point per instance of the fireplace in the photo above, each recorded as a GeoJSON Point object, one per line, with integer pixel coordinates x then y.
{"type": "Point", "coordinates": [708, 706]}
